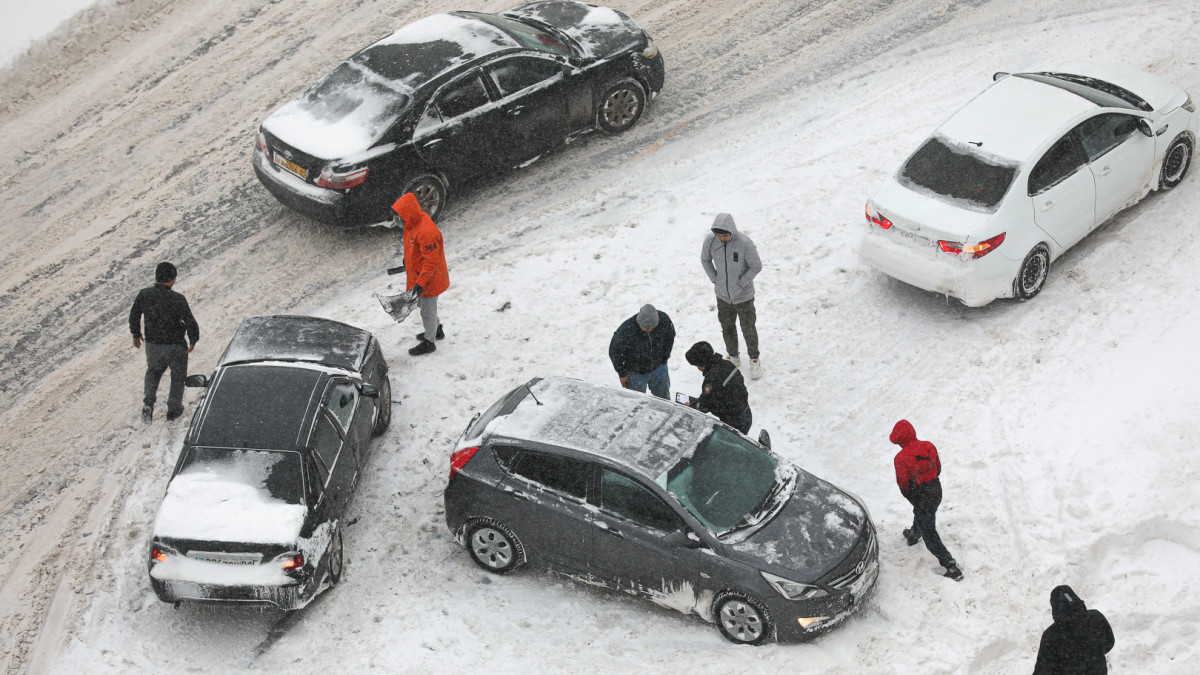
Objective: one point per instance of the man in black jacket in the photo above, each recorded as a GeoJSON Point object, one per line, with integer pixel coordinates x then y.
{"type": "Point", "coordinates": [639, 350]}
{"type": "Point", "coordinates": [168, 319]}
{"type": "Point", "coordinates": [1077, 640]}
{"type": "Point", "coordinates": [724, 390]}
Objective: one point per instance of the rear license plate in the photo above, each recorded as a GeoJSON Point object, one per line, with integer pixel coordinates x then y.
{"type": "Point", "coordinates": [291, 166]}
{"type": "Point", "coordinates": [226, 558]}
{"type": "Point", "coordinates": [914, 238]}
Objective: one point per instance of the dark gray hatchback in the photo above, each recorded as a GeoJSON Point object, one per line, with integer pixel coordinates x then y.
{"type": "Point", "coordinates": [640, 494]}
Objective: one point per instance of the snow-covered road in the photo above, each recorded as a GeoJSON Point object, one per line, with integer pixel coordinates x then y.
{"type": "Point", "coordinates": [1063, 423]}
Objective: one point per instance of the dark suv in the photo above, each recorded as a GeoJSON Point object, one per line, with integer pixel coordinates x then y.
{"type": "Point", "coordinates": [644, 495]}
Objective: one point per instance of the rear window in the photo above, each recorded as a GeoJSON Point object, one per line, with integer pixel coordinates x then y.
{"type": "Point", "coordinates": [352, 92]}
{"type": "Point", "coordinates": [506, 403]}
{"type": "Point", "coordinates": [957, 174]}
{"type": "Point", "coordinates": [276, 474]}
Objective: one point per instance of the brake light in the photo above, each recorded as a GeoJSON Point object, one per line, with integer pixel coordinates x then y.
{"type": "Point", "coordinates": [293, 563]}
{"type": "Point", "coordinates": [460, 458]}
{"type": "Point", "coordinates": [157, 554]}
{"type": "Point", "coordinates": [971, 251]}
{"type": "Point", "coordinates": [342, 180]}
{"type": "Point", "coordinates": [260, 139]}
{"type": "Point", "coordinates": [878, 219]}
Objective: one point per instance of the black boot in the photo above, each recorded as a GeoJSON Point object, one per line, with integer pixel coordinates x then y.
{"type": "Point", "coordinates": [147, 414]}
{"type": "Point", "coordinates": [953, 572]}
{"type": "Point", "coordinates": [441, 334]}
{"type": "Point", "coordinates": [912, 537]}
{"type": "Point", "coordinates": [423, 347]}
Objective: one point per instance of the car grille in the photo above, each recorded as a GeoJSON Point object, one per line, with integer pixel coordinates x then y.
{"type": "Point", "coordinates": [860, 563]}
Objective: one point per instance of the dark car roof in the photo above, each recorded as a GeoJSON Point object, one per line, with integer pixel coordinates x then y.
{"type": "Point", "coordinates": [298, 338]}
{"type": "Point", "coordinates": [643, 433]}
{"type": "Point", "coordinates": [262, 406]}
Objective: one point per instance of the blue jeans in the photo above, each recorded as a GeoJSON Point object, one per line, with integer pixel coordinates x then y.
{"type": "Point", "coordinates": [658, 379]}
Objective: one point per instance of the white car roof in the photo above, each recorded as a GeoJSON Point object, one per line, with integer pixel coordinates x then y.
{"type": "Point", "coordinates": [1014, 117]}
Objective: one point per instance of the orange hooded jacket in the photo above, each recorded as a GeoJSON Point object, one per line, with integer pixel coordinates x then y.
{"type": "Point", "coordinates": [424, 257]}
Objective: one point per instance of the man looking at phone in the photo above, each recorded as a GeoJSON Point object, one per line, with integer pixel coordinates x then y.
{"type": "Point", "coordinates": [724, 391]}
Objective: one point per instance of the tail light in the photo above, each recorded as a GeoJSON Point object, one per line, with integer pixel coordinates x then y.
{"type": "Point", "coordinates": [260, 139]}
{"type": "Point", "coordinates": [878, 219]}
{"type": "Point", "coordinates": [460, 458]}
{"type": "Point", "coordinates": [342, 179]}
{"type": "Point", "coordinates": [157, 554]}
{"type": "Point", "coordinates": [971, 251]}
{"type": "Point", "coordinates": [293, 563]}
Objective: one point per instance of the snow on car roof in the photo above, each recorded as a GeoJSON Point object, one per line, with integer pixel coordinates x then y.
{"type": "Point", "coordinates": [1014, 117]}
{"type": "Point", "coordinates": [637, 430]}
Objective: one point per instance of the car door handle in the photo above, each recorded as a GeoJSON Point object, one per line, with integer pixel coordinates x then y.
{"type": "Point", "coordinates": [516, 112]}
{"type": "Point", "coordinates": [430, 144]}
{"type": "Point", "coordinates": [521, 495]}
{"type": "Point", "coordinates": [611, 530]}
{"type": "Point", "coordinates": [1106, 170]}
{"type": "Point", "coordinates": [1046, 206]}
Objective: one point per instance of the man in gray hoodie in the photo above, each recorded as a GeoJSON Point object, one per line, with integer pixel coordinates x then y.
{"type": "Point", "coordinates": [731, 262]}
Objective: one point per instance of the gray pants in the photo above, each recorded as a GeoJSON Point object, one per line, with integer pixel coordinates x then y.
{"type": "Point", "coordinates": [429, 320]}
{"type": "Point", "coordinates": [728, 315]}
{"type": "Point", "coordinates": [158, 359]}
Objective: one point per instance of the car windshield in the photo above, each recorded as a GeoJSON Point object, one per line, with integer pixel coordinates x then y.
{"type": "Point", "coordinates": [529, 36]}
{"type": "Point", "coordinates": [958, 174]}
{"type": "Point", "coordinates": [354, 91]}
{"type": "Point", "coordinates": [728, 483]}
{"type": "Point", "coordinates": [276, 474]}
{"type": "Point", "coordinates": [1102, 92]}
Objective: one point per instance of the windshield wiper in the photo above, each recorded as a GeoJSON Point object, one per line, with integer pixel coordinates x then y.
{"type": "Point", "coordinates": [753, 518]}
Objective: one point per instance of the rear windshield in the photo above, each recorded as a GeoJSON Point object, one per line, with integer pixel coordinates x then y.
{"type": "Point", "coordinates": [277, 474]}
{"type": "Point", "coordinates": [954, 172]}
{"type": "Point", "coordinates": [477, 425]}
{"type": "Point", "coordinates": [354, 91]}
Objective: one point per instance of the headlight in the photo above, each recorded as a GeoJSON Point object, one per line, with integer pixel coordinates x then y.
{"type": "Point", "coordinates": [651, 49]}
{"type": "Point", "coordinates": [794, 590]}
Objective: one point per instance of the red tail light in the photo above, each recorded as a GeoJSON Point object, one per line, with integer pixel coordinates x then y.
{"type": "Point", "coordinates": [342, 180]}
{"type": "Point", "coordinates": [972, 251]}
{"type": "Point", "coordinates": [261, 141]}
{"type": "Point", "coordinates": [460, 458]}
{"type": "Point", "coordinates": [878, 219]}
{"type": "Point", "coordinates": [293, 563]}
{"type": "Point", "coordinates": [157, 554]}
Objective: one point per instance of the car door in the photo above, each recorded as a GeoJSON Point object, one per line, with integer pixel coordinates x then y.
{"type": "Point", "coordinates": [627, 540]}
{"type": "Point", "coordinates": [533, 105]}
{"type": "Point", "coordinates": [336, 462]}
{"type": "Point", "coordinates": [1120, 158]}
{"type": "Point", "coordinates": [544, 500]}
{"type": "Point", "coordinates": [458, 132]}
{"type": "Point", "coordinates": [1063, 191]}
{"type": "Point", "coordinates": [344, 403]}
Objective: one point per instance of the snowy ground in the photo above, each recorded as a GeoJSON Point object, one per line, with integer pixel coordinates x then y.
{"type": "Point", "coordinates": [1063, 423]}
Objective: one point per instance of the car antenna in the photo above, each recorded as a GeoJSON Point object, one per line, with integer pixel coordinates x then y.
{"type": "Point", "coordinates": [530, 390]}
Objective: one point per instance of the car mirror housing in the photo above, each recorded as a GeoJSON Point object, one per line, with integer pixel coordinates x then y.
{"type": "Point", "coordinates": [370, 391]}
{"type": "Point", "coordinates": [998, 75]}
{"type": "Point", "coordinates": [196, 381]}
{"type": "Point", "coordinates": [764, 439]}
{"type": "Point", "coordinates": [1143, 126]}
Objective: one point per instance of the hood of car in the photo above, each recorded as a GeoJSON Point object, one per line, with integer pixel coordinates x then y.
{"type": "Point", "coordinates": [599, 31]}
{"type": "Point", "coordinates": [212, 506]}
{"type": "Point", "coordinates": [927, 215]}
{"type": "Point", "coordinates": [817, 528]}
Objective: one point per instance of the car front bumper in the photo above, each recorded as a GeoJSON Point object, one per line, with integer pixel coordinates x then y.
{"type": "Point", "coordinates": [831, 612]}
{"type": "Point", "coordinates": [974, 282]}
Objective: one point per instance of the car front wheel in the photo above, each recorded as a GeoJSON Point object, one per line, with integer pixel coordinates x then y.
{"type": "Point", "coordinates": [621, 106]}
{"type": "Point", "coordinates": [742, 620]}
{"type": "Point", "coordinates": [494, 547]}
{"type": "Point", "coordinates": [1176, 162]}
{"type": "Point", "coordinates": [430, 193]}
{"type": "Point", "coordinates": [1032, 275]}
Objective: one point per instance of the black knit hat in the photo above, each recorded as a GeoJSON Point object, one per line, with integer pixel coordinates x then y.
{"type": "Point", "coordinates": [164, 273]}
{"type": "Point", "coordinates": [700, 354]}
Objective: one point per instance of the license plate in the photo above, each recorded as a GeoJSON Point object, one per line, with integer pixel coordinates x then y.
{"type": "Point", "coordinates": [291, 166]}
{"type": "Point", "coordinates": [226, 558]}
{"type": "Point", "coordinates": [914, 238]}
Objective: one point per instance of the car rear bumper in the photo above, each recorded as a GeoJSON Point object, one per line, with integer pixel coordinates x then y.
{"type": "Point", "coordinates": [974, 282]}
{"type": "Point", "coordinates": [327, 206]}
{"type": "Point", "coordinates": [286, 597]}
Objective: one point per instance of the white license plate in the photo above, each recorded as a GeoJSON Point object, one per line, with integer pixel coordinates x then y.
{"type": "Point", "coordinates": [915, 238]}
{"type": "Point", "coordinates": [226, 558]}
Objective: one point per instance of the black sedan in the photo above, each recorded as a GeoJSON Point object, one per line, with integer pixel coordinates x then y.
{"type": "Point", "coordinates": [639, 494]}
{"type": "Point", "coordinates": [254, 509]}
{"type": "Point", "coordinates": [452, 98]}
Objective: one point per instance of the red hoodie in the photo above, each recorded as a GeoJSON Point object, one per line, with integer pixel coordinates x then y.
{"type": "Point", "coordinates": [917, 462]}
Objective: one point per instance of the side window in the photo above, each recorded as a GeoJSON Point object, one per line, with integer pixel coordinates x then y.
{"type": "Point", "coordinates": [326, 444]}
{"type": "Point", "coordinates": [341, 401]}
{"type": "Point", "coordinates": [1105, 132]}
{"type": "Point", "coordinates": [462, 97]}
{"type": "Point", "coordinates": [513, 75]}
{"type": "Point", "coordinates": [505, 455]}
{"type": "Point", "coordinates": [569, 476]}
{"type": "Point", "coordinates": [1060, 161]}
{"type": "Point", "coordinates": [628, 499]}
{"type": "Point", "coordinates": [314, 481]}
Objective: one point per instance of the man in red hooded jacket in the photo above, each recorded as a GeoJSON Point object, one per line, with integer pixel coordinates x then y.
{"type": "Point", "coordinates": [425, 265]}
{"type": "Point", "coordinates": [917, 471]}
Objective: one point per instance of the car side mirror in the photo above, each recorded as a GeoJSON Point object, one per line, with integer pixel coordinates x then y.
{"type": "Point", "coordinates": [370, 391]}
{"type": "Point", "coordinates": [682, 539]}
{"type": "Point", "coordinates": [764, 439]}
{"type": "Point", "coordinates": [997, 76]}
{"type": "Point", "coordinates": [196, 381]}
{"type": "Point", "coordinates": [1143, 126]}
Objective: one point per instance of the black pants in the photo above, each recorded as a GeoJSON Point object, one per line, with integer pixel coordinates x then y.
{"type": "Point", "coordinates": [925, 501]}
{"type": "Point", "coordinates": [743, 421]}
{"type": "Point", "coordinates": [159, 358]}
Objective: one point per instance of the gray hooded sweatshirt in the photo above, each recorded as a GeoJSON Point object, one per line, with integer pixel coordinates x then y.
{"type": "Point", "coordinates": [730, 266]}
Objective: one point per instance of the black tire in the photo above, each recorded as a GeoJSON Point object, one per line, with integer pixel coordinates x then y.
{"type": "Point", "coordinates": [1032, 275]}
{"type": "Point", "coordinates": [336, 560]}
{"type": "Point", "coordinates": [384, 418]}
{"type": "Point", "coordinates": [430, 192]}
{"type": "Point", "coordinates": [621, 106]}
{"type": "Point", "coordinates": [494, 547]}
{"type": "Point", "coordinates": [1176, 162]}
{"type": "Point", "coordinates": [742, 619]}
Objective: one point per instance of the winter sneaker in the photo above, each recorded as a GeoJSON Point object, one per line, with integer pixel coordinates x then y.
{"type": "Point", "coordinates": [735, 360]}
{"type": "Point", "coordinates": [423, 347]}
{"type": "Point", "coordinates": [755, 369]}
{"type": "Point", "coordinates": [147, 414]}
{"type": "Point", "coordinates": [912, 537]}
{"type": "Point", "coordinates": [174, 415]}
{"type": "Point", "coordinates": [441, 334]}
{"type": "Point", "coordinates": [953, 572]}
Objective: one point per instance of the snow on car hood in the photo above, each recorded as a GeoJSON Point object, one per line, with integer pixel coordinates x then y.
{"type": "Point", "coordinates": [815, 530]}
{"type": "Point", "coordinates": [600, 31]}
{"type": "Point", "coordinates": [207, 505]}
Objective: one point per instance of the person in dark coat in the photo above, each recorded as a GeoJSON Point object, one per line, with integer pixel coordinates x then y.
{"type": "Point", "coordinates": [917, 474]}
{"type": "Point", "coordinates": [1075, 644]}
{"type": "Point", "coordinates": [168, 320]}
{"type": "Point", "coordinates": [639, 350]}
{"type": "Point", "coordinates": [724, 390]}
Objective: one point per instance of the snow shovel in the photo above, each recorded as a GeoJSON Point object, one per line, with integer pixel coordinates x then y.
{"type": "Point", "coordinates": [398, 304]}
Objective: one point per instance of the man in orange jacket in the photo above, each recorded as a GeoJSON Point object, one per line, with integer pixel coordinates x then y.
{"type": "Point", "coordinates": [425, 265]}
{"type": "Point", "coordinates": [917, 471]}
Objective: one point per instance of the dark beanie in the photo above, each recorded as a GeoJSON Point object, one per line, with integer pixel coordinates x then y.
{"type": "Point", "coordinates": [700, 354]}
{"type": "Point", "coordinates": [164, 273]}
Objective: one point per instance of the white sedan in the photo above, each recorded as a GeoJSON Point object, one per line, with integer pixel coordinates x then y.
{"type": "Point", "coordinates": [1022, 172]}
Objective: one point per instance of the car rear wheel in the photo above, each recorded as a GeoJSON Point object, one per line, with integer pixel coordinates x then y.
{"type": "Point", "coordinates": [335, 559]}
{"type": "Point", "coordinates": [430, 193]}
{"type": "Point", "coordinates": [494, 547]}
{"type": "Point", "coordinates": [741, 619]}
{"type": "Point", "coordinates": [621, 106]}
{"type": "Point", "coordinates": [1175, 162]}
{"type": "Point", "coordinates": [1032, 275]}
{"type": "Point", "coordinates": [384, 418]}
